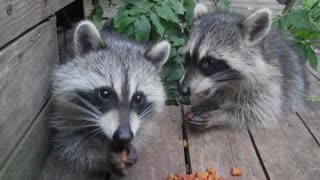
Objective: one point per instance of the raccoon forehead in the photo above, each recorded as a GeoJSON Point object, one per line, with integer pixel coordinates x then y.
{"type": "Point", "coordinates": [214, 32]}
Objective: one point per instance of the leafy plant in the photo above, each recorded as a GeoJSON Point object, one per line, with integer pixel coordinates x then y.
{"type": "Point", "coordinates": [153, 20]}
{"type": "Point", "coordinates": [96, 14]}
{"type": "Point", "coordinates": [302, 24]}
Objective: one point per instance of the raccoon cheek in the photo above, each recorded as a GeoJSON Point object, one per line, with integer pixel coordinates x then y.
{"type": "Point", "coordinates": [134, 123]}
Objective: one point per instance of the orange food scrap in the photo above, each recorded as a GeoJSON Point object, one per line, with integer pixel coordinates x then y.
{"type": "Point", "coordinates": [123, 156]}
{"type": "Point", "coordinates": [170, 176]}
{"type": "Point", "coordinates": [189, 115]}
{"type": "Point", "coordinates": [236, 171]}
{"type": "Point", "coordinates": [185, 143]}
{"type": "Point", "coordinates": [202, 175]}
{"type": "Point", "coordinates": [211, 170]}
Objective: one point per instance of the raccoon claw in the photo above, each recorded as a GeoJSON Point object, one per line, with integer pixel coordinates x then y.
{"type": "Point", "coordinates": [132, 157]}
{"type": "Point", "coordinates": [198, 121]}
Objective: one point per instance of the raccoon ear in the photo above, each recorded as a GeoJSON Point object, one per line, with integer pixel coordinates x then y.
{"type": "Point", "coordinates": [256, 26]}
{"type": "Point", "coordinates": [200, 10]}
{"type": "Point", "coordinates": [86, 37]}
{"type": "Point", "coordinates": [158, 54]}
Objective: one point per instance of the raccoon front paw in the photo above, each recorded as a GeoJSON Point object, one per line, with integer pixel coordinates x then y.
{"type": "Point", "coordinates": [132, 156]}
{"type": "Point", "coordinates": [119, 162]}
{"type": "Point", "coordinates": [198, 120]}
{"type": "Point", "coordinates": [117, 166]}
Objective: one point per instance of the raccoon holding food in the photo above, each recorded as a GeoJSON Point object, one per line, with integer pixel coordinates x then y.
{"type": "Point", "coordinates": [242, 72]}
{"type": "Point", "coordinates": [104, 100]}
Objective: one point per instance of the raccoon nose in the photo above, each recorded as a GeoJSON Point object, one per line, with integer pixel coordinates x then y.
{"type": "Point", "coordinates": [123, 135]}
{"type": "Point", "coordinates": [184, 90]}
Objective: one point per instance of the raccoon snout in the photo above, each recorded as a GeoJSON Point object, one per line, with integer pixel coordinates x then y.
{"type": "Point", "coordinates": [123, 135]}
{"type": "Point", "coordinates": [184, 89]}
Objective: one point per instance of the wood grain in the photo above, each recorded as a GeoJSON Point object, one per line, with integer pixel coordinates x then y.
{"type": "Point", "coordinates": [26, 161]}
{"type": "Point", "coordinates": [224, 149]}
{"type": "Point", "coordinates": [17, 16]}
{"type": "Point", "coordinates": [24, 82]}
{"type": "Point", "coordinates": [311, 114]}
{"type": "Point", "coordinates": [163, 155]}
{"type": "Point", "coordinates": [288, 151]}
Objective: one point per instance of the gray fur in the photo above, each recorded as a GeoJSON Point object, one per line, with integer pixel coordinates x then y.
{"type": "Point", "coordinates": [267, 77]}
{"type": "Point", "coordinates": [83, 133]}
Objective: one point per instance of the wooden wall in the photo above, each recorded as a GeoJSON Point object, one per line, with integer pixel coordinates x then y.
{"type": "Point", "coordinates": [28, 51]}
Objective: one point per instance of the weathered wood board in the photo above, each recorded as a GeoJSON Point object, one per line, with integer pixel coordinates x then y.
{"type": "Point", "coordinates": [249, 6]}
{"type": "Point", "coordinates": [163, 155]}
{"type": "Point", "coordinates": [224, 149]}
{"type": "Point", "coordinates": [24, 82]}
{"type": "Point", "coordinates": [288, 151]}
{"type": "Point", "coordinates": [311, 115]}
{"type": "Point", "coordinates": [26, 161]}
{"type": "Point", "coordinates": [17, 16]}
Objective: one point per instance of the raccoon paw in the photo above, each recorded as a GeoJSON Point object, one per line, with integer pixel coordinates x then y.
{"type": "Point", "coordinates": [132, 156]}
{"type": "Point", "coordinates": [117, 166]}
{"type": "Point", "coordinates": [199, 120]}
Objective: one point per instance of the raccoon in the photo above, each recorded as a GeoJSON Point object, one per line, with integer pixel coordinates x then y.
{"type": "Point", "coordinates": [105, 98]}
{"type": "Point", "coordinates": [242, 72]}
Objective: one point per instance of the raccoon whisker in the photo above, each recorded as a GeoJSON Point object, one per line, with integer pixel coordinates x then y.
{"type": "Point", "coordinates": [93, 114]}
{"type": "Point", "coordinates": [89, 105]}
{"type": "Point", "coordinates": [148, 110]}
{"type": "Point", "coordinates": [225, 75]}
{"type": "Point", "coordinates": [231, 88]}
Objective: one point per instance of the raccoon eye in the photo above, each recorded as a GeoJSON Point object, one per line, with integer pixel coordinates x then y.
{"type": "Point", "coordinates": [138, 98]}
{"type": "Point", "coordinates": [104, 93]}
{"type": "Point", "coordinates": [208, 62]}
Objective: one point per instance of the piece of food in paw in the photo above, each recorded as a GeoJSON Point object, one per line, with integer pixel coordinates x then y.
{"type": "Point", "coordinates": [189, 115]}
{"type": "Point", "coordinates": [236, 171]}
{"type": "Point", "coordinates": [124, 156]}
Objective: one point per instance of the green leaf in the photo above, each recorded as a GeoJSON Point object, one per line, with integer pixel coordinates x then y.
{"type": "Point", "coordinates": [283, 23]}
{"type": "Point", "coordinates": [96, 15]}
{"type": "Point", "coordinates": [189, 6]}
{"type": "Point", "coordinates": [156, 22]}
{"type": "Point", "coordinates": [312, 57]}
{"type": "Point", "coordinates": [176, 6]}
{"type": "Point", "coordinates": [122, 22]}
{"type": "Point", "coordinates": [313, 98]}
{"type": "Point", "coordinates": [276, 24]}
{"type": "Point", "coordinates": [144, 4]}
{"type": "Point", "coordinates": [166, 13]}
{"type": "Point", "coordinates": [177, 41]}
{"type": "Point", "coordinates": [142, 29]}
{"type": "Point", "coordinates": [135, 11]}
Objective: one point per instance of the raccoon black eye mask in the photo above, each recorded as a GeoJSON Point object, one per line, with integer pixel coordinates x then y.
{"type": "Point", "coordinates": [257, 77]}
{"type": "Point", "coordinates": [105, 98]}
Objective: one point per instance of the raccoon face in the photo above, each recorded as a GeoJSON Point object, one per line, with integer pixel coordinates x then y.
{"type": "Point", "coordinates": [112, 86]}
{"type": "Point", "coordinates": [223, 49]}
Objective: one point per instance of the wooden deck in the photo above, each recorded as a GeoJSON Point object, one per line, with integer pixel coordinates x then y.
{"type": "Point", "coordinates": [290, 151]}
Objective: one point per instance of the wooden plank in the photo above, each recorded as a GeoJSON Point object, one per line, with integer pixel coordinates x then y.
{"type": "Point", "coordinates": [17, 16]}
{"type": "Point", "coordinates": [247, 7]}
{"type": "Point", "coordinates": [24, 82]}
{"type": "Point", "coordinates": [311, 114]}
{"type": "Point", "coordinates": [163, 155]}
{"type": "Point", "coordinates": [288, 151]}
{"type": "Point", "coordinates": [224, 149]}
{"type": "Point", "coordinates": [26, 161]}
